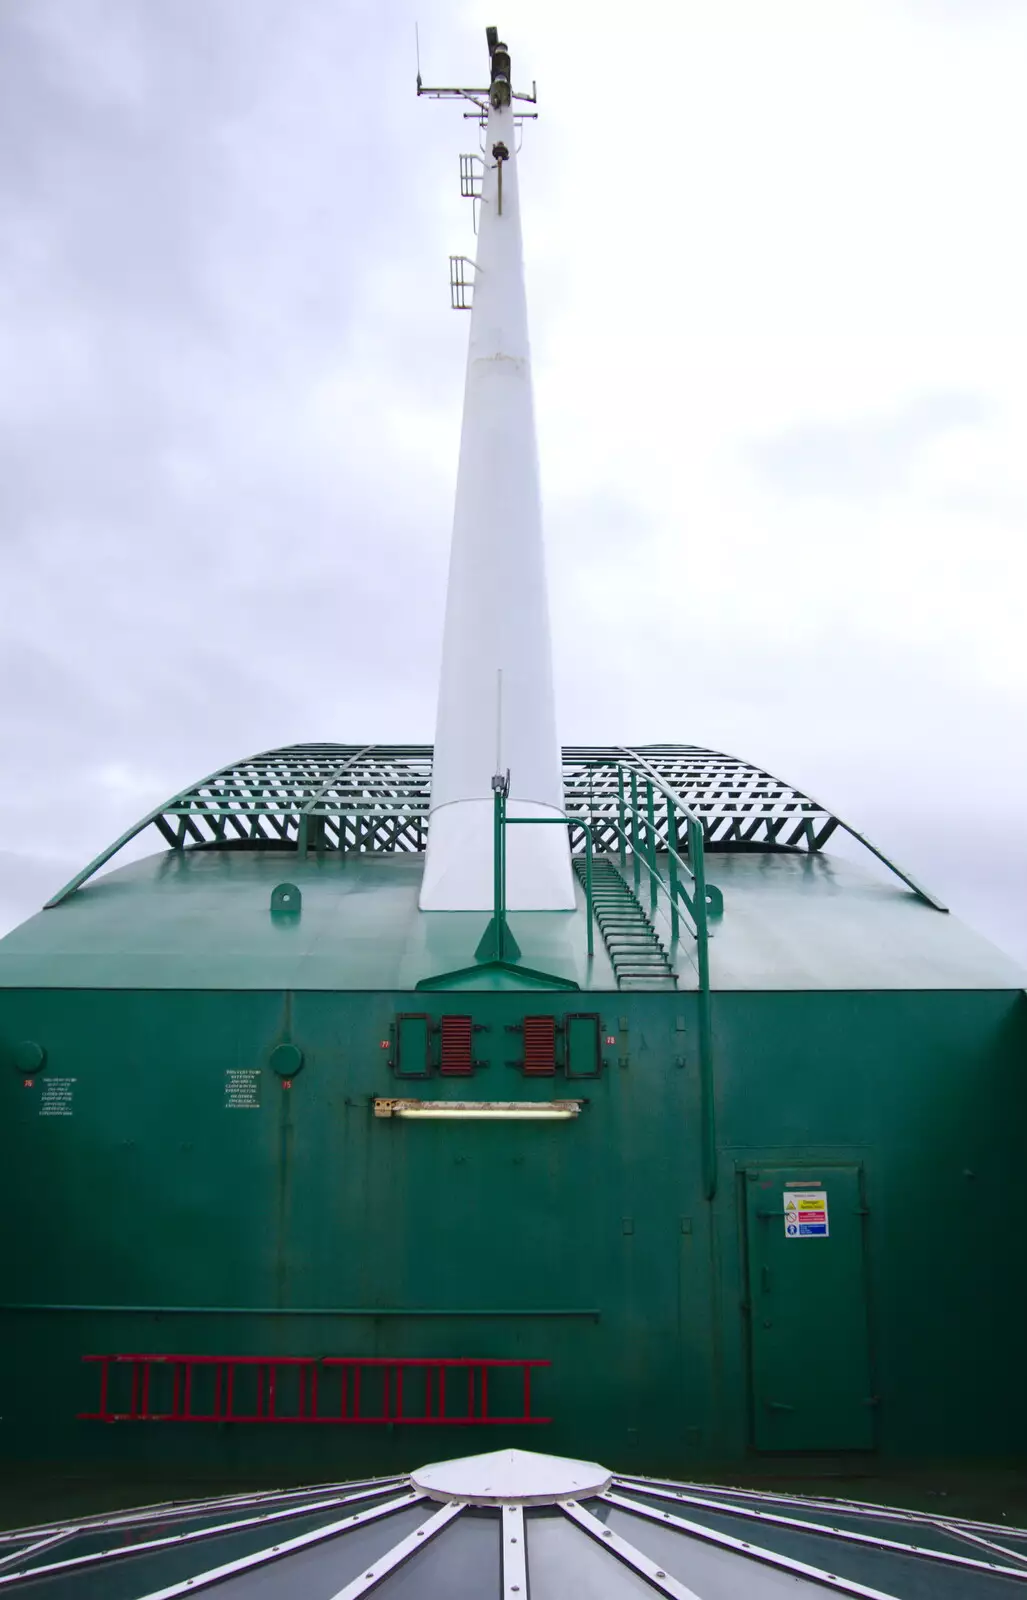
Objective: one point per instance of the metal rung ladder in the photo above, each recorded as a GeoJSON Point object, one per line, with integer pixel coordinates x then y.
{"type": "Point", "coordinates": [637, 956]}
{"type": "Point", "coordinates": [311, 1389]}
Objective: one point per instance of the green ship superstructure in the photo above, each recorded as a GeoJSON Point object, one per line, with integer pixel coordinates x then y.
{"type": "Point", "coordinates": [218, 1061]}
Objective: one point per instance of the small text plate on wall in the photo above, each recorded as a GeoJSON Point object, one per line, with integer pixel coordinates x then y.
{"type": "Point", "coordinates": [242, 1089]}
{"type": "Point", "coordinates": [58, 1097]}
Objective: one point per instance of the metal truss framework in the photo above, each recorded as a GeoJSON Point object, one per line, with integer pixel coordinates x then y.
{"type": "Point", "coordinates": [375, 798]}
{"type": "Point", "coordinates": [625, 1535]}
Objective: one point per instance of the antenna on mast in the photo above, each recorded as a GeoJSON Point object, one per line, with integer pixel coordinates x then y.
{"type": "Point", "coordinates": [499, 92]}
{"type": "Point", "coordinates": [497, 97]}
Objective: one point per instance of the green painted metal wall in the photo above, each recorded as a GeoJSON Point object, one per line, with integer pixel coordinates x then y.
{"type": "Point", "coordinates": [586, 1243]}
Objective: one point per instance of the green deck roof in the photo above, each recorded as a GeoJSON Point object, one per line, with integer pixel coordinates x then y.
{"type": "Point", "coordinates": [202, 919]}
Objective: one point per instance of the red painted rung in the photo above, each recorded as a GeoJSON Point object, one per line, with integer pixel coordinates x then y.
{"type": "Point", "coordinates": [267, 1370]}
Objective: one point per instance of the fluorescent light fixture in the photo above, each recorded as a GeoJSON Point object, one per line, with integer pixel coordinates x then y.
{"type": "Point", "coordinates": [480, 1110]}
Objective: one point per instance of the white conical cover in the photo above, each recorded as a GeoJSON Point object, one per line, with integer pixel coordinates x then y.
{"type": "Point", "coordinates": [525, 1477]}
{"type": "Point", "coordinates": [496, 708]}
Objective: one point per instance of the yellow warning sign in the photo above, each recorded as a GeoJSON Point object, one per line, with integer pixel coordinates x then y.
{"type": "Point", "coordinates": [806, 1215]}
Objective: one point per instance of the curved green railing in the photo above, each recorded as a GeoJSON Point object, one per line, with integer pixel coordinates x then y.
{"type": "Point", "coordinates": [636, 831]}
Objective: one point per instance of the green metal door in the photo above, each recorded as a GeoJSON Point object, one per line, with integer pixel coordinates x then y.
{"type": "Point", "coordinates": [809, 1354]}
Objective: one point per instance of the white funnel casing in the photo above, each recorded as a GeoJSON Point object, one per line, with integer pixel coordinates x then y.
{"type": "Point", "coordinates": [496, 709]}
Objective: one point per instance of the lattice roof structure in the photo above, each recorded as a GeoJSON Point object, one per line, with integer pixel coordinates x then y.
{"type": "Point", "coordinates": [375, 798]}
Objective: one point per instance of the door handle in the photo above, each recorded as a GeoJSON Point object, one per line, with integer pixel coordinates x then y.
{"type": "Point", "coordinates": [765, 1279]}
{"type": "Point", "coordinates": [777, 1405]}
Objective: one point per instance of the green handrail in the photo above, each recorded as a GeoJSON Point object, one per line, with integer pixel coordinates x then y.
{"type": "Point", "coordinates": [672, 870]}
{"type": "Point", "coordinates": [568, 822]}
{"type": "Point", "coordinates": [636, 831]}
{"type": "Point", "coordinates": [713, 898]}
{"type": "Point", "coordinates": [633, 808]}
{"type": "Point", "coordinates": [497, 947]}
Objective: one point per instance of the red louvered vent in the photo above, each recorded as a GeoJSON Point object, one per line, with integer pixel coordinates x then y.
{"type": "Point", "coordinates": [539, 1047]}
{"type": "Point", "coordinates": [455, 1058]}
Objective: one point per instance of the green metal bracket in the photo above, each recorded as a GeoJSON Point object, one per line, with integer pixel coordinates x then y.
{"type": "Point", "coordinates": [498, 951]}
{"type": "Point", "coordinates": [529, 977]}
{"type": "Point", "coordinates": [497, 943]}
{"type": "Point", "coordinates": [286, 900]}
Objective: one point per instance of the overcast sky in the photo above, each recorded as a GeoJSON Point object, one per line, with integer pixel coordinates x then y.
{"type": "Point", "coordinates": [776, 262]}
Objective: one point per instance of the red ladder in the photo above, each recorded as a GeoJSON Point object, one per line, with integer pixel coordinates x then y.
{"type": "Point", "coordinates": [316, 1395]}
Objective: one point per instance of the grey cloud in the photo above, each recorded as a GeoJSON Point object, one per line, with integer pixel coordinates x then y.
{"type": "Point", "coordinates": [211, 213]}
{"type": "Point", "coordinates": [26, 881]}
{"type": "Point", "coordinates": [865, 459]}
{"type": "Point", "coordinates": [198, 214]}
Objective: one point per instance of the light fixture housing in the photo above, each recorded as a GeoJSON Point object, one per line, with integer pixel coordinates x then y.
{"type": "Point", "coordinates": [478, 1110]}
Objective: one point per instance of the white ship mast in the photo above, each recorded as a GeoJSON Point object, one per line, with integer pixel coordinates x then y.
{"type": "Point", "coordinates": [496, 711]}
